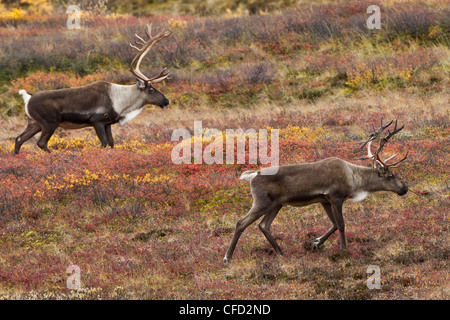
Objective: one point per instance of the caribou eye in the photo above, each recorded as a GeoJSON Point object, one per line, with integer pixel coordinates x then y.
{"type": "Point", "coordinates": [391, 177]}
{"type": "Point", "coordinates": [150, 89]}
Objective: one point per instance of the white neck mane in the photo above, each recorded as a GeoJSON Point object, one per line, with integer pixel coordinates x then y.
{"type": "Point", "coordinates": [127, 101]}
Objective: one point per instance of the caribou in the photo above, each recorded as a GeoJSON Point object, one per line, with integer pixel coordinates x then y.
{"type": "Point", "coordinates": [97, 105]}
{"type": "Point", "coordinates": [329, 182]}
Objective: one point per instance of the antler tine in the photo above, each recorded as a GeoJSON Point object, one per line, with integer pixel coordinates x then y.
{"type": "Point", "coordinates": [374, 157]}
{"type": "Point", "coordinates": [160, 77]}
{"type": "Point", "coordinates": [381, 128]}
{"type": "Point", "coordinates": [135, 47]}
{"type": "Point", "coordinates": [384, 127]}
{"type": "Point", "coordinates": [385, 139]}
{"type": "Point", "coordinates": [380, 161]}
{"type": "Point", "coordinates": [369, 153]}
{"type": "Point", "coordinates": [395, 165]}
{"type": "Point", "coordinates": [376, 132]}
{"type": "Point", "coordinates": [391, 157]}
{"type": "Point", "coordinates": [148, 32]}
{"type": "Point", "coordinates": [142, 40]}
{"type": "Point", "coordinates": [390, 134]}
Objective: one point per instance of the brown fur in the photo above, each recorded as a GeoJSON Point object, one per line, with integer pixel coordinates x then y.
{"type": "Point", "coordinates": [87, 106]}
{"type": "Point", "coordinates": [329, 182]}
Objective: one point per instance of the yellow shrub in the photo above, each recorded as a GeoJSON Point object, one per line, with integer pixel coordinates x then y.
{"type": "Point", "coordinates": [176, 23]}
{"type": "Point", "coordinates": [38, 6]}
{"type": "Point", "coordinates": [293, 132]}
{"type": "Point", "coordinates": [14, 14]}
{"type": "Point", "coordinates": [365, 74]}
{"type": "Point", "coordinates": [302, 133]}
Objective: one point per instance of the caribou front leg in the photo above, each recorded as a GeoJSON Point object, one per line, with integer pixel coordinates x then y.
{"type": "Point", "coordinates": [319, 241]}
{"type": "Point", "coordinates": [109, 136]}
{"type": "Point", "coordinates": [100, 130]}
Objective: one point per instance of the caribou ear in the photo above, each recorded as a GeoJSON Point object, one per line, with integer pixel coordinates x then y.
{"type": "Point", "coordinates": [141, 84]}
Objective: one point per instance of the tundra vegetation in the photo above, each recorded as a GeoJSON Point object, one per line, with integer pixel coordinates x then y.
{"type": "Point", "coordinates": [142, 227]}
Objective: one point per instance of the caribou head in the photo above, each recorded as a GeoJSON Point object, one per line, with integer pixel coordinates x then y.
{"type": "Point", "coordinates": [144, 83]}
{"type": "Point", "coordinates": [387, 179]}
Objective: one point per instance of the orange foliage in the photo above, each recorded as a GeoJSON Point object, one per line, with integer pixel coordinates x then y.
{"type": "Point", "coordinates": [37, 81]}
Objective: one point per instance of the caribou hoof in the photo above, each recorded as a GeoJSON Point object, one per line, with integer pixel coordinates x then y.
{"type": "Point", "coordinates": [316, 244]}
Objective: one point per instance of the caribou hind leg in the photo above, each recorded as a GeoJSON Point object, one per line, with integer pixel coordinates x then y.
{"type": "Point", "coordinates": [47, 132]}
{"type": "Point", "coordinates": [264, 226]}
{"type": "Point", "coordinates": [32, 128]}
{"type": "Point", "coordinates": [255, 212]}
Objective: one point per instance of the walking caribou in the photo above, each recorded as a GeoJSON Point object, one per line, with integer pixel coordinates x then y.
{"type": "Point", "coordinates": [329, 182]}
{"type": "Point", "coordinates": [97, 105]}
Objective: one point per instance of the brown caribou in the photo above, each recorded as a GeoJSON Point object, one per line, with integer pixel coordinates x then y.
{"type": "Point", "coordinates": [329, 182]}
{"type": "Point", "coordinates": [97, 105]}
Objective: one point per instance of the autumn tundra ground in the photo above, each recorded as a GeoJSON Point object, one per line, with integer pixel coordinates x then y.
{"type": "Point", "coordinates": [139, 226]}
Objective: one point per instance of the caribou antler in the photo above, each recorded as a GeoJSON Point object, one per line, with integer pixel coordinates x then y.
{"type": "Point", "coordinates": [384, 140]}
{"type": "Point", "coordinates": [392, 165]}
{"type": "Point", "coordinates": [376, 132]}
{"type": "Point", "coordinates": [146, 46]}
{"type": "Point", "coordinates": [375, 156]}
{"type": "Point", "coordinates": [373, 136]}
